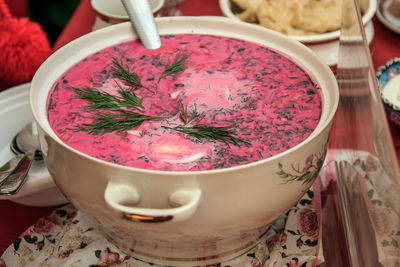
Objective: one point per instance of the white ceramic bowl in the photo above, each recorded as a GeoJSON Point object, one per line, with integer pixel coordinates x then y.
{"type": "Point", "coordinates": [225, 6]}
{"type": "Point", "coordinates": [216, 214]}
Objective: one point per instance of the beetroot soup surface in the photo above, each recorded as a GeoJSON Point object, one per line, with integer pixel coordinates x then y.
{"type": "Point", "coordinates": [271, 102]}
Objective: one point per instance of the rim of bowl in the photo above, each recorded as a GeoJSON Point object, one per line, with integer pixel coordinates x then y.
{"type": "Point", "coordinates": [382, 70]}
{"type": "Point", "coordinates": [74, 51]}
{"type": "Point", "coordinates": [317, 38]}
{"type": "Point", "coordinates": [102, 12]}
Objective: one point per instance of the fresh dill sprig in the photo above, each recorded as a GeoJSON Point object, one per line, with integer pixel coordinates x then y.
{"type": "Point", "coordinates": [184, 116]}
{"type": "Point", "coordinates": [223, 134]}
{"type": "Point", "coordinates": [106, 122]}
{"type": "Point", "coordinates": [130, 77]}
{"type": "Point", "coordinates": [129, 98]}
{"type": "Point", "coordinates": [174, 68]}
{"type": "Point", "coordinates": [98, 99]}
{"type": "Point", "coordinates": [102, 100]}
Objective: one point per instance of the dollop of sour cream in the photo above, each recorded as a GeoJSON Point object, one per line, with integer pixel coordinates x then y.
{"type": "Point", "coordinates": [391, 92]}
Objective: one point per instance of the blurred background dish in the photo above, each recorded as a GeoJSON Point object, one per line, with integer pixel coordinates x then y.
{"type": "Point", "coordinates": [388, 12]}
{"type": "Point", "coordinates": [39, 190]}
{"type": "Point", "coordinates": [232, 10]}
{"type": "Point", "coordinates": [388, 76]}
{"type": "Point", "coordinates": [112, 12]}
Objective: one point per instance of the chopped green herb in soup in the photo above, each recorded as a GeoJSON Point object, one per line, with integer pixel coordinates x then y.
{"type": "Point", "coordinates": [199, 102]}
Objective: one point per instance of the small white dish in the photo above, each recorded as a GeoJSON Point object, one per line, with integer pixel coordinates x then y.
{"type": "Point", "coordinates": [385, 14]}
{"type": "Point", "coordinates": [39, 189]}
{"type": "Point", "coordinates": [109, 12]}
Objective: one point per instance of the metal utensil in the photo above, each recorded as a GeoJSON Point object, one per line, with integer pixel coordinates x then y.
{"type": "Point", "coordinates": [25, 145]}
{"type": "Point", "coordinates": [142, 19]}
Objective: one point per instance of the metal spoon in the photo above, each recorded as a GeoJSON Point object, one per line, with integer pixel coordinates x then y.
{"type": "Point", "coordinates": [25, 145]}
{"type": "Point", "coordinates": [142, 19]}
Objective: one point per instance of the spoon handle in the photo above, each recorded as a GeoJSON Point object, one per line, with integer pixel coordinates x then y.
{"type": "Point", "coordinates": [9, 167]}
{"type": "Point", "coordinates": [141, 16]}
{"type": "Point", "coordinates": [11, 184]}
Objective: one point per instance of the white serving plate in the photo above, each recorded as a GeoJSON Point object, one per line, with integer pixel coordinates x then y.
{"type": "Point", "coordinates": [39, 189]}
{"type": "Point", "coordinates": [225, 6]}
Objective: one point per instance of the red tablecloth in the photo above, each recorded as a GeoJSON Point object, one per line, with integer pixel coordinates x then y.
{"type": "Point", "coordinates": [14, 218]}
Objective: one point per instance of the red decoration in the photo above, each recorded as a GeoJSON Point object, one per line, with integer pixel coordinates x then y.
{"type": "Point", "coordinates": [23, 48]}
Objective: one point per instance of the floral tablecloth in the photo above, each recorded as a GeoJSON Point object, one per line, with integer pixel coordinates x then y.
{"type": "Point", "coordinates": [67, 238]}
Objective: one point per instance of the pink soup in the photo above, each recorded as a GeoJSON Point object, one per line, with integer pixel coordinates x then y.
{"type": "Point", "coordinates": [229, 102]}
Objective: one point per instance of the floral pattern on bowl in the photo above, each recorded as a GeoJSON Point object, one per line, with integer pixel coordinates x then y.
{"type": "Point", "coordinates": [390, 71]}
{"type": "Point", "coordinates": [308, 173]}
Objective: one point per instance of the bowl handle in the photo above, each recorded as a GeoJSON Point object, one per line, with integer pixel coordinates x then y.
{"type": "Point", "coordinates": [120, 197]}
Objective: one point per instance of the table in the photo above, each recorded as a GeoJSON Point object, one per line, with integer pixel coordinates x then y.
{"type": "Point", "coordinates": [15, 218]}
